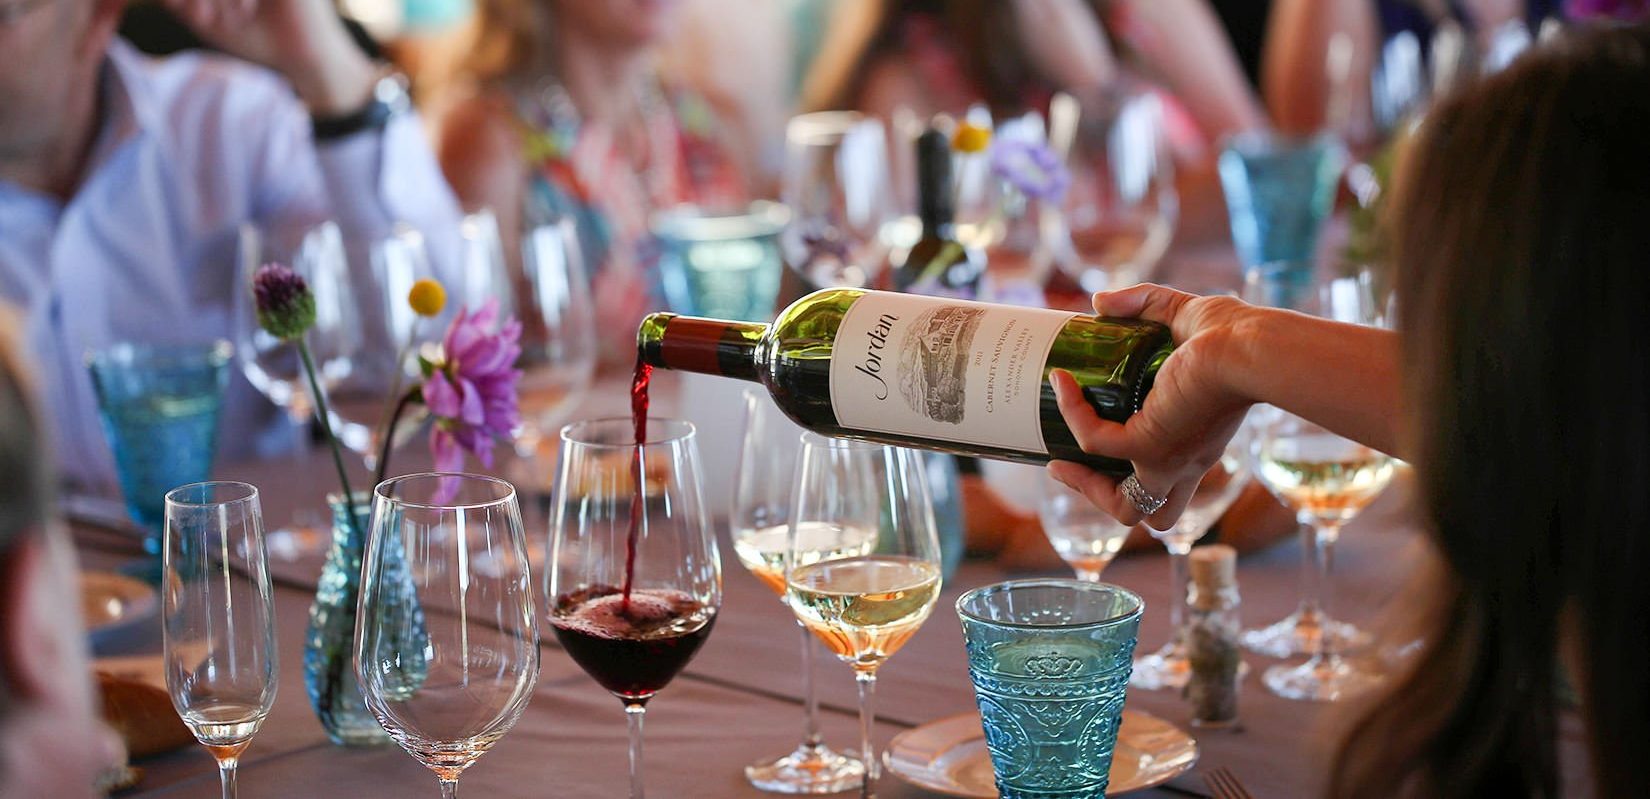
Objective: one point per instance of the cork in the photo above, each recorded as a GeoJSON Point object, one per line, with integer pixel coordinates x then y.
{"type": "Point", "coordinates": [1214, 567]}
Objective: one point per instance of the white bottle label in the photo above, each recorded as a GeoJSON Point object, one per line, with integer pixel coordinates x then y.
{"type": "Point", "coordinates": [942, 369]}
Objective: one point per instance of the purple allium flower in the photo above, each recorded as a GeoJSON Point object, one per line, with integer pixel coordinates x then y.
{"type": "Point", "coordinates": [1618, 9]}
{"type": "Point", "coordinates": [1031, 167]}
{"type": "Point", "coordinates": [286, 307]}
{"type": "Point", "coordinates": [472, 393]}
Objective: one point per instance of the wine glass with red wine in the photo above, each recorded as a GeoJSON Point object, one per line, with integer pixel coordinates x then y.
{"type": "Point", "coordinates": [634, 580]}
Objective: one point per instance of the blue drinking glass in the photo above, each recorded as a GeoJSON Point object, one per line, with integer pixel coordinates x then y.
{"type": "Point", "coordinates": [1050, 660]}
{"type": "Point", "coordinates": [1279, 190]}
{"type": "Point", "coordinates": [159, 406]}
{"type": "Point", "coordinates": [723, 267]}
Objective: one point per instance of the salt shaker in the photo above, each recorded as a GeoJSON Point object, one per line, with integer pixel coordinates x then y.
{"type": "Point", "coordinates": [1212, 636]}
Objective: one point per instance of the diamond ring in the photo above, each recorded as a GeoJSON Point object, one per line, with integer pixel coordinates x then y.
{"type": "Point", "coordinates": [1140, 498]}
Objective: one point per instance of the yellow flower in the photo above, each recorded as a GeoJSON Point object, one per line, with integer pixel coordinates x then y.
{"type": "Point", "coordinates": [427, 297]}
{"type": "Point", "coordinates": [971, 138]}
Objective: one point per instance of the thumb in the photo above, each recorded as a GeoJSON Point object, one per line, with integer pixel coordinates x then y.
{"type": "Point", "coordinates": [1146, 301]}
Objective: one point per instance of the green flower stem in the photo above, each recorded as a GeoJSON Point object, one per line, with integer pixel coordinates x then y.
{"type": "Point", "coordinates": [938, 263]}
{"type": "Point", "coordinates": [332, 440]}
{"type": "Point", "coordinates": [386, 424]}
{"type": "Point", "coordinates": [389, 433]}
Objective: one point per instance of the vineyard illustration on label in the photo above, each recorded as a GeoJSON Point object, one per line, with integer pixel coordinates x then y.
{"type": "Point", "coordinates": [934, 361]}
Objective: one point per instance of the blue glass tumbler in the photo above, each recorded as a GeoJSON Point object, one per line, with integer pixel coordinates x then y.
{"type": "Point", "coordinates": [159, 406]}
{"type": "Point", "coordinates": [1279, 191]}
{"type": "Point", "coordinates": [1050, 660]}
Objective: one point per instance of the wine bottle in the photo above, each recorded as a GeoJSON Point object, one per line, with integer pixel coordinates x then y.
{"type": "Point", "coordinates": [938, 265]}
{"type": "Point", "coordinates": [952, 375]}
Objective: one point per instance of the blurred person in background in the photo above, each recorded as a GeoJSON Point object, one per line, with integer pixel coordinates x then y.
{"type": "Point", "coordinates": [568, 114]}
{"type": "Point", "coordinates": [1516, 388]}
{"type": "Point", "coordinates": [124, 180]}
{"type": "Point", "coordinates": [52, 742]}
{"type": "Point", "coordinates": [943, 56]}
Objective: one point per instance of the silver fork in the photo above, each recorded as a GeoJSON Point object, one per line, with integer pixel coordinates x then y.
{"type": "Point", "coordinates": [1224, 784]}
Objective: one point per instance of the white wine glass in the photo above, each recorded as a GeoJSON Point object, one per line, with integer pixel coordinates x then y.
{"type": "Point", "coordinates": [1084, 536]}
{"type": "Point", "coordinates": [455, 543]}
{"type": "Point", "coordinates": [218, 634]}
{"type": "Point", "coordinates": [1349, 299]}
{"type": "Point", "coordinates": [272, 365]}
{"type": "Point", "coordinates": [863, 605]}
{"type": "Point", "coordinates": [835, 182]}
{"type": "Point", "coordinates": [764, 484]}
{"type": "Point", "coordinates": [1327, 480]}
{"type": "Point", "coordinates": [634, 579]}
{"type": "Point", "coordinates": [1113, 224]}
{"type": "Point", "coordinates": [1169, 667]}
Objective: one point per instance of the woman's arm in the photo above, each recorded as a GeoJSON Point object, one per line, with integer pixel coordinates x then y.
{"type": "Point", "coordinates": [481, 155]}
{"type": "Point", "coordinates": [1294, 65]}
{"type": "Point", "coordinates": [1229, 356]}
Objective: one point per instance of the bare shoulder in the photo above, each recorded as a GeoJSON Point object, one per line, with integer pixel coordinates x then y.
{"type": "Point", "coordinates": [480, 148]}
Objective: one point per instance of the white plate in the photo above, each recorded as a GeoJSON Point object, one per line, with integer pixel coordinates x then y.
{"type": "Point", "coordinates": [948, 756]}
{"type": "Point", "coordinates": [113, 605]}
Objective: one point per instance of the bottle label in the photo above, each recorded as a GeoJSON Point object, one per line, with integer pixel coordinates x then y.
{"type": "Point", "coordinates": [943, 369]}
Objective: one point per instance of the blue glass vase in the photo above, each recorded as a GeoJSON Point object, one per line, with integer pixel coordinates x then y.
{"type": "Point", "coordinates": [329, 642]}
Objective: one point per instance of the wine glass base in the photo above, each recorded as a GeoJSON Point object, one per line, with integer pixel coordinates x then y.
{"type": "Point", "coordinates": [1297, 634]}
{"type": "Point", "coordinates": [1321, 680]}
{"type": "Point", "coordinates": [808, 770]}
{"type": "Point", "coordinates": [1167, 668]}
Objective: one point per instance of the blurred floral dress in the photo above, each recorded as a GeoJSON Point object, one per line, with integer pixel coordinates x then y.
{"type": "Point", "coordinates": [580, 170]}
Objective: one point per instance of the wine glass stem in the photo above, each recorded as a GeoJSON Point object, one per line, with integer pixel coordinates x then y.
{"type": "Point", "coordinates": [1178, 556]}
{"type": "Point", "coordinates": [449, 789]}
{"type": "Point", "coordinates": [634, 713]}
{"type": "Point", "coordinates": [867, 719]}
{"type": "Point", "coordinates": [1323, 548]}
{"type": "Point", "coordinates": [226, 776]}
{"type": "Point", "coordinates": [1087, 575]}
{"type": "Point", "coordinates": [1311, 611]}
{"type": "Point", "coordinates": [810, 731]}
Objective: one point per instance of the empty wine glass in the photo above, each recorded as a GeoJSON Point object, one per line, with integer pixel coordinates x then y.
{"type": "Point", "coordinates": [863, 604]}
{"type": "Point", "coordinates": [1352, 300]}
{"type": "Point", "coordinates": [836, 183]}
{"type": "Point", "coordinates": [1327, 480]}
{"type": "Point", "coordinates": [272, 365]}
{"type": "Point", "coordinates": [764, 482]}
{"type": "Point", "coordinates": [449, 683]}
{"type": "Point", "coordinates": [634, 578]}
{"type": "Point", "coordinates": [1169, 666]}
{"type": "Point", "coordinates": [558, 331]}
{"type": "Point", "coordinates": [218, 631]}
{"type": "Point", "coordinates": [1084, 536]}
{"type": "Point", "coordinates": [1114, 223]}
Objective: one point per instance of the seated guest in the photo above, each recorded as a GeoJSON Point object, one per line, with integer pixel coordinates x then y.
{"type": "Point", "coordinates": [52, 743]}
{"type": "Point", "coordinates": [569, 116]}
{"type": "Point", "coordinates": [1517, 389]}
{"type": "Point", "coordinates": [124, 179]}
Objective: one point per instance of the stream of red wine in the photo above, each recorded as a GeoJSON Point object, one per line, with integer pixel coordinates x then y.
{"type": "Point", "coordinates": [638, 420]}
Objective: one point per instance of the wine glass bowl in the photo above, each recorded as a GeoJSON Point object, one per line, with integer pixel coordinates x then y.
{"type": "Point", "coordinates": [218, 632]}
{"type": "Point", "coordinates": [835, 182]}
{"type": "Point", "coordinates": [1084, 536]}
{"type": "Point", "coordinates": [634, 583]}
{"type": "Point", "coordinates": [448, 674]}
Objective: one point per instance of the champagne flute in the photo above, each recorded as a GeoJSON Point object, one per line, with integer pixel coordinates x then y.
{"type": "Point", "coordinates": [1084, 536]}
{"type": "Point", "coordinates": [863, 605]}
{"type": "Point", "coordinates": [1326, 480]}
{"type": "Point", "coordinates": [1348, 299]}
{"type": "Point", "coordinates": [1114, 223]}
{"type": "Point", "coordinates": [835, 182]}
{"type": "Point", "coordinates": [449, 680]}
{"type": "Point", "coordinates": [763, 483]}
{"type": "Point", "coordinates": [1169, 666]}
{"type": "Point", "coordinates": [635, 582]}
{"type": "Point", "coordinates": [272, 365]}
{"type": "Point", "coordinates": [219, 624]}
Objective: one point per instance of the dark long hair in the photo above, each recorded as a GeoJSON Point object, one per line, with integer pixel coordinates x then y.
{"type": "Point", "coordinates": [1523, 248]}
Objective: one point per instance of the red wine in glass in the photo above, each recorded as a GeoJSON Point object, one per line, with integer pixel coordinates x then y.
{"type": "Point", "coordinates": [639, 403]}
{"type": "Point", "coordinates": [632, 646]}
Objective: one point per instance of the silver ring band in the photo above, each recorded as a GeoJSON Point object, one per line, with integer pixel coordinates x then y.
{"type": "Point", "coordinates": [1140, 498]}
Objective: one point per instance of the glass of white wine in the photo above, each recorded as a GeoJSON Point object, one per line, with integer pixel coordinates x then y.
{"type": "Point", "coordinates": [1084, 536]}
{"type": "Point", "coordinates": [1327, 480]}
{"type": "Point", "coordinates": [863, 604]}
{"type": "Point", "coordinates": [764, 481]}
{"type": "Point", "coordinates": [219, 625]}
{"type": "Point", "coordinates": [1169, 667]}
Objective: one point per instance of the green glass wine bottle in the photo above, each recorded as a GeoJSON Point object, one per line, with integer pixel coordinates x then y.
{"type": "Point", "coordinates": [952, 375]}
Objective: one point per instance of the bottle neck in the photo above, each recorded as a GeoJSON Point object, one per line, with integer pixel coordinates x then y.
{"type": "Point", "coordinates": [936, 207]}
{"type": "Point", "coordinates": [707, 346]}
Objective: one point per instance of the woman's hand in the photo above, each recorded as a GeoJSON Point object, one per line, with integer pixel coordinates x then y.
{"type": "Point", "coordinates": [1190, 414]}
